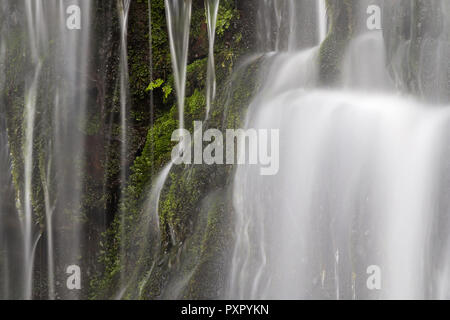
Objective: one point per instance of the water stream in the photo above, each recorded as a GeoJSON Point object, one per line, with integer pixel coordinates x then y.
{"type": "Point", "coordinates": [360, 185]}
{"type": "Point", "coordinates": [212, 8]}
{"type": "Point", "coordinates": [363, 182]}
{"type": "Point", "coordinates": [124, 7]}
{"type": "Point", "coordinates": [178, 14]}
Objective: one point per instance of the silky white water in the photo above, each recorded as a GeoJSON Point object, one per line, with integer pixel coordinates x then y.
{"type": "Point", "coordinates": [361, 185]}
{"type": "Point", "coordinates": [55, 64]}
{"type": "Point", "coordinates": [178, 16]}
{"type": "Point", "coordinates": [322, 20]}
{"type": "Point", "coordinates": [124, 7]}
{"type": "Point", "coordinates": [359, 176]}
{"type": "Point", "coordinates": [37, 31]}
{"type": "Point", "coordinates": [363, 182]}
{"type": "Point", "coordinates": [212, 9]}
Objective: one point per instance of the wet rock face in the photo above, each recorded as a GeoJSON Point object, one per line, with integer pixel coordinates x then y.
{"type": "Point", "coordinates": [417, 43]}
{"type": "Point", "coordinates": [195, 204]}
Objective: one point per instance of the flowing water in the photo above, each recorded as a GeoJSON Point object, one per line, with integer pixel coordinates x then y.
{"type": "Point", "coordinates": [52, 142]}
{"type": "Point", "coordinates": [322, 20]}
{"type": "Point", "coordinates": [357, 171]}
{"type": "Point", "coordinates": [362, 185]}
{"type": "Point", "coordinates": [291, 25]}
{"type": "Point", "coordinates": [178, 16]}
{"type": "Point", "coordinates": [363, 182]}
{"type": "Point", "coordinates": [124, 7]}
{"type": "Point", "coordinates": [37, 31]}
{"type": "Point", "coordinates": [212, 8]}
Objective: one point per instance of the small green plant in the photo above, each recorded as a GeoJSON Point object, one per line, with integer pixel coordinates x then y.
{"type": "Point", "coordinates": [154, 84]}
{"type": "Point", "coordinates": [224, 18]}
{"type": "Point", "coordinates": [167, 89]}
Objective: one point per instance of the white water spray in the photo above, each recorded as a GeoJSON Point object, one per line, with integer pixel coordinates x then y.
{"type": "Point", "coordinates": [212, 8]}
{"type": "Point", "coordinates": [178, 15]}
{"type": "Point", "coordinates": [37, 32]}
{"type": "Point", "coordinates": [124, 7]}
{"type": "Point", "coordinates": [360, 184]}
{"type": "Point", "coordinates": [322, 19]}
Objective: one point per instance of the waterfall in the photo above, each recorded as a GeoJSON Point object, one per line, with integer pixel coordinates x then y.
{"type": "Point", "coordinates": [362, 185]}
{"type": "Point", "coordinates": [37, 31]}
{"type": "Point", "coordinates": [286, 233]}
{"type": "Point", "coordinates": [286, 25]}
{"type": "Point", "coordinates": [66, 150]}
{"type": "Point", "coordinates": [55, 71]}
{"type": "Point", "coordinates": [152, 224]}
{"type": "Point", "coordinates": [212, 8]}
{"type": "Point", "coordinates": [178, 15]}
{"type": "Point", "coordinates": [292, 24]}
{"type": "Point", "coordinates": [348, 172]}
{"type": "Point", "coordinates": [124, 7]}
{"type": "Point", "coordinates": [28, 163]}
{"type": "Point", "coordinates": [358, 93]}
{"type": "Point", "coordinates": [357, 73]}
{"type": "Point", "coordinates": [322, 19]}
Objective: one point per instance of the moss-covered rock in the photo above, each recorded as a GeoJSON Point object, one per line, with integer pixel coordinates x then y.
{"type": "Point", "coordinates": [340, 15]}
{"type": "Point", "coordinates": [151, 254]}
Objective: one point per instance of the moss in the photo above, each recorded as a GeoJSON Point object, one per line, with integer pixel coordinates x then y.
{"type": "Point", "coordinates": [227, 13]}
{"type": "Point", "coordinates": [333, 47]}
{"type": "Point", "coordinates": [151, 263]}
{"type": "Point", "coordinates": [207, 280]}
{"type": "Point", "coordinates": [194, 221]}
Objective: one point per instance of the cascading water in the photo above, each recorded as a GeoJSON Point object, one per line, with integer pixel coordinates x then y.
{"type": "Point", "coordinates": [212, 8]}
{"type": "Point", "coordinates": [322, 20]}
{"type": "Point", "coordinates": [62, 179]}
{"type": "Point", "coordinates": [178, 15]}
{"type": "Point", "coordinates": [67, 148]}
{"type": "Point", "coordinates": [124, 7]}
{"type": "Point", "coordinates": [38, 32]}
{"type": "Point", "coordinates": [55, 99]}
{"type": "Point", "coordinates": [361, 186]}
{"type": "Point", "coordinates": [282, 25]}
{"type": "Point", "coordinates": [345, 198]}
{"type": "Point", "coordinates": [363, 117]}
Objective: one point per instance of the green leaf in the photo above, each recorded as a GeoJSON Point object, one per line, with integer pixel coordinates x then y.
{"type": "Point", "coordinates": [167, 89]}
{"type": "Point", "coordinates": [154, 84]}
